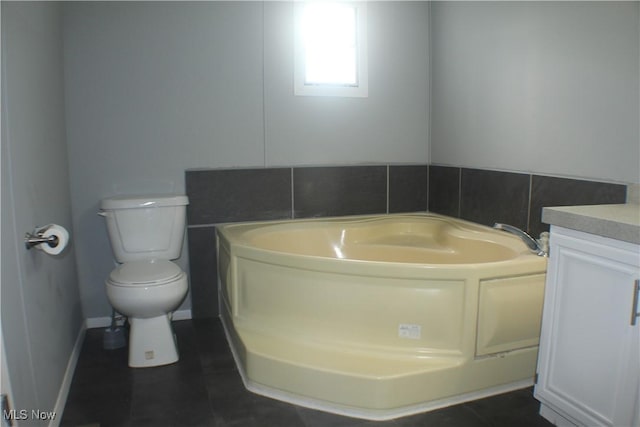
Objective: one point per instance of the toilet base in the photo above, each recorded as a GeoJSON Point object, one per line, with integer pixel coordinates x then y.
{"type": "Point", "coordinates": [152, 342]}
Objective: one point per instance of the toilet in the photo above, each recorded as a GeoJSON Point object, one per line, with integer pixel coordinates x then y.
{"type": "Point", "coordinates": [146, 233]}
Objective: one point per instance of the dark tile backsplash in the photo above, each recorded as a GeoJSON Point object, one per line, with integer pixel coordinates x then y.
{"type": "Point", "coordinates": [408, 188]}
{"type": "Point", "coordinates": [203, 270]}
{"type": "Point", "coordinates": [483, 196]}
{"type": "Point", "coordinates": [550, 191]}
{"type": "Point", "coordinates": [487, 197]}
{"type": "Point", "coordinates": [227, 195]}
{"type": "Point", "coordinates": [335, 191]}
{"type": "Point", "coordinates": [444, 190]}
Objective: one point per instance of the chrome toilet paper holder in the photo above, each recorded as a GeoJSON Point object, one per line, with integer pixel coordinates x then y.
{"type": "Point", "coordinates": [36, 237]}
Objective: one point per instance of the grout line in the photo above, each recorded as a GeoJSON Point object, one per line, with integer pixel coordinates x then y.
{"type": "Point", "coordinates": [529, 204]}
{"type": "Point", "coordinates": [459, 192]}
{"type": "Point", "coordinates": [428, 195]}
{"type": "Point", "coordinates": [292, 198]}
{"type": "Point", "coordinates": [387, 189]}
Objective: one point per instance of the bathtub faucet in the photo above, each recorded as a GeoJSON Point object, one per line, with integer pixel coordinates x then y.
{"type": "Point", "coordinates": [539, 246]}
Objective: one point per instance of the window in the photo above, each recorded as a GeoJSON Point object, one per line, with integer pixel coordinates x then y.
{"type": "Point", "coordinates": [330, 49]}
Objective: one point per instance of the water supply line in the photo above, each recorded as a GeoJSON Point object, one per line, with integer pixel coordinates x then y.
{"type": "Point", "coordinates": [114, 335]}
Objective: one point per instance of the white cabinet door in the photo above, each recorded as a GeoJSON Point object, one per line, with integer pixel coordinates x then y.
{"type": "Point", "coordinates": [589, 361]}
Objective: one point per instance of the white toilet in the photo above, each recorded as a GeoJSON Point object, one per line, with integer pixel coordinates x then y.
{"type": "Point", "coordinates": [146, 232]}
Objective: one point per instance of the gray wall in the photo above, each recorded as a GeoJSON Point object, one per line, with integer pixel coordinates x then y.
{"type": "Point", "coordinates": [153, 89]}
{"type": "Point", "coordinates": [390, 126]}
{"type": "Point", "coordinates": [41, 313]}
{"type": "Point", "coordinates": [544, 87]}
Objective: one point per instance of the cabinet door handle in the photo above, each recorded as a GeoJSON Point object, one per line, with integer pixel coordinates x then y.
{"type": "Point", "coordinates": [634, 307]}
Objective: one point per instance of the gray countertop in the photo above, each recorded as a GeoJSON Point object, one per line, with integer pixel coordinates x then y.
{"type": "Point", "coordinates": [621, 222]}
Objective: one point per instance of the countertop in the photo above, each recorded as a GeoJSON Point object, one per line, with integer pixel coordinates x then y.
{"type": "Point", "coordinates": [621, 222]}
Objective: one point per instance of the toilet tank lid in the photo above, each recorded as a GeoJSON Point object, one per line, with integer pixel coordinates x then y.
{"type": "Point", "coordinates": [144, 201]}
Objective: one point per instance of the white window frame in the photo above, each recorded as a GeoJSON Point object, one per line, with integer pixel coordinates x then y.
{"type": "Point", "coordinates": [361, 88]}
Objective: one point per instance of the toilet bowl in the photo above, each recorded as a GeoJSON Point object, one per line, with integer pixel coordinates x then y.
{"type": "Point", "coordinates": [146, 292]}
{"type": "Point", "coordinates": [146, 233]}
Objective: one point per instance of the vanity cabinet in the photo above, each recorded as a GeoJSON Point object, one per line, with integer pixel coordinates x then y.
{"type": "Point", "coordinates": [589, 355]}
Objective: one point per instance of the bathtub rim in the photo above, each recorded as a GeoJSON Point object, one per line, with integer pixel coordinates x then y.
{"type": "Point", "coordinates": [231, 234]}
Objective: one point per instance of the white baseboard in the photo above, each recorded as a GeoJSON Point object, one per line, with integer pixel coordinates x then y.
{"type": "Point", "coordinates": [61, 401]}
{"type": "Point", "coordinates": [182, 315]}
{"type": "Point", "coordinates": [103, 322]}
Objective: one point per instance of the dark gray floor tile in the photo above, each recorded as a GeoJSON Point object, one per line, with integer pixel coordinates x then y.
{"type": "Point", "coordinates": [314, 418]}
{"type": "Point", "coordinates": [183, 394]}
{"type": "Point", "coordinates": [96, 359]}
{"type": "Point", "coordinates": [225, 385]}
{"type": "Point", "coordinates": [182, 401]}
{"type": "Point", "coordinates": [454, 416]}
{"type": "Point", "coordinates": [517, 408]}
{"type": "Point", "coordinates": [248, 409]}
{"type": "Point", "coordinates": [213, 349]}
{"type": "Point", "coordinates": [104, 403]}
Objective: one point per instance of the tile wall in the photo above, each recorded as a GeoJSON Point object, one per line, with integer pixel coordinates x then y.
{"type": "Point", "coordinates": [484, 196]}
{"type": "Point", "coordinates": [228, 195]}
{"type": "Point", "coordinates": [487, 197]}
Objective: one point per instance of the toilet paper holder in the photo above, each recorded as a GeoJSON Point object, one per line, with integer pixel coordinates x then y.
{"type": "Point", "coordinates": [37, 237]}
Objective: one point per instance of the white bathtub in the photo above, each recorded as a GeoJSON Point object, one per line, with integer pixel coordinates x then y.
{"type": "Point", "coordinates": [379, 316]}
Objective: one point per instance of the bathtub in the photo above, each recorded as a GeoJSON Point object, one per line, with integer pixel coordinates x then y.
{"type": "Point", "coordinates": [382, 316]}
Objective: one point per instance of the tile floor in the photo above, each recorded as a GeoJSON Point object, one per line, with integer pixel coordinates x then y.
{"type": "Point", "coordinates": [205, 389]}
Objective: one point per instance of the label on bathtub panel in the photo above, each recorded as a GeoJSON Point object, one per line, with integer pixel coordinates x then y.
{"type": "Point", "coordinates": [407, 330]}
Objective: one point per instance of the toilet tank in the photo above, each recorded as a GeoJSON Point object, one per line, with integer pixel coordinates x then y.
{"type": "Point", "coordinates": [145, 227]}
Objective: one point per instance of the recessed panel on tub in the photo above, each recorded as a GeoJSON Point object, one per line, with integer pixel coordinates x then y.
{"type": "Point", "coordinates": [509, 313]}
{"type": "Point", "coordinates": [397, 314]}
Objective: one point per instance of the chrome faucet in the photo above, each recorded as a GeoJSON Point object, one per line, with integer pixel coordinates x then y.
{"type": "Point", "coordinates": [539, 246]}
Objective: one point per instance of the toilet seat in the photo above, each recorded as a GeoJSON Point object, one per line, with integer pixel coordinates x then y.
{"type": "Point", "coordinates": [145, 273]}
